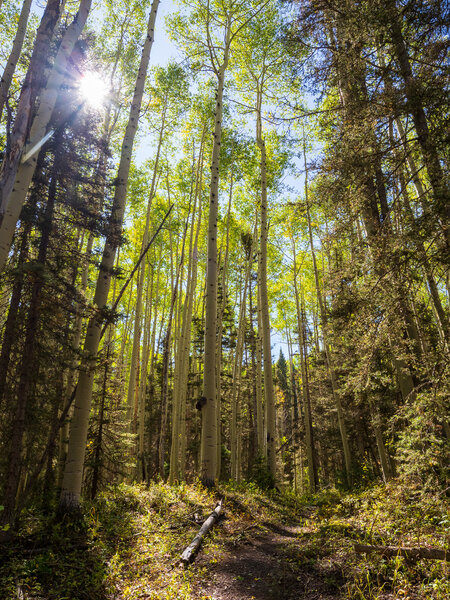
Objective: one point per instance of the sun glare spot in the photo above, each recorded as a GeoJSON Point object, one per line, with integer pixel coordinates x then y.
{"type": "Point", "coordinates": [93, 89]}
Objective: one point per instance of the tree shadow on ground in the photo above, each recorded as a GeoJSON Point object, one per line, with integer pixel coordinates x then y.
{"type": "Point", "coordinates": [65, 559]}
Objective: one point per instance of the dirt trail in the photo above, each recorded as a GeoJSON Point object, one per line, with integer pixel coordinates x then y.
{"type": "Point", "coordinates": [270, 567]}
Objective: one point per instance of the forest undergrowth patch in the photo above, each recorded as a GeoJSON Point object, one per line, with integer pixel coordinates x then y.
{"type": "Point", "coordinates": [128, 544]}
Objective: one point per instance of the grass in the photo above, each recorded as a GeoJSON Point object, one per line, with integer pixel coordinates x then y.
{"type": "Point", "coordinates": [386, 515]}
{"type": "Point", "coordinates": [129, 542]}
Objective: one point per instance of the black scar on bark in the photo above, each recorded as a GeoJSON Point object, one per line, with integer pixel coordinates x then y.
{"type": "Point", "coordinates": [200, 403]}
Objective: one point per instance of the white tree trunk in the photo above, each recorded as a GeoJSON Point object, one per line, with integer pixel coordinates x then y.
{"type": "Point", "coordinates": [269, 399]}
{"type": "Point", "coordinates": [14, 198]}
{"type": "Point", "coordinates": [14, 55]}
{"type": "Point", "coordinates": [236, 467]}
{"type": "Point", "coordinates": [209, 408]}
{"type": "Point", "coordinates": [71, 487]}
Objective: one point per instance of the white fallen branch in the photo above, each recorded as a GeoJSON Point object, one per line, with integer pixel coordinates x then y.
{"type": "Point", "coordinates": [189, 551]}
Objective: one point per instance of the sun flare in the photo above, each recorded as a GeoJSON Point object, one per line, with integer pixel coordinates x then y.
{"type": "Point", "coordinates": [93, 89]}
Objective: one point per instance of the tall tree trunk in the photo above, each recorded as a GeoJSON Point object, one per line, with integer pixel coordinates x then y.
{"type": "Point", "coordinates": [269, 399]}
{"type": "Point", "coordinates": [309, 431]}
{"type": "Point", "coordinates": [209, 405]}
{"type": "Point", "coordinates": [71, 487]}
{"type": "Point", "coordinates": [133, 384]}
{"type": "Point", "coordinates": [236, 467]}
{"type": "Point", "coordinates": [18, 179]}
{"type": "Point", "coordinates": [99, 437]}
{"type": "Point", "coordinates": [34, 82]}
{"type": "Point", "coordinates": [309, 434]}
{"type": "Point", "coordinates": [220, 326]}
{"type": "Point", "coordinates": [166, 354]}
{"type": "Point", "coordinates": [14, 55]}
{"type": "Point", "coordinates": [191, 310]}
{"type": "Point", "coordinates": [28, 367]}
{"type": "Point", "coordinates": [178, 445]}
{"type": "Point", "coordinates": [439, 183]}
{"type": "Point", "coordinates": [382, 452]}
{"type": "Point", "coordinates": [255, 348]}
{"type": "Point", "coordinates": [142, 391]}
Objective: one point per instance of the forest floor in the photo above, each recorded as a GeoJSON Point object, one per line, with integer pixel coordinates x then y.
{"type": "Point", "coordinates": [267, 546]}
{"type": "Point", "coordinates": [267, 567]}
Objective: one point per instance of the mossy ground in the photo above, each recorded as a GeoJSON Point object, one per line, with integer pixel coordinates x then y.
{"type": "Point", "coordinates": [130, 539]}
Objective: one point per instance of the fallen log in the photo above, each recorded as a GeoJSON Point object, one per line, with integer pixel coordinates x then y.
{"type": "Point", "coordinates": [189, 551]}
{"type": "Point", "coordinates": [411, 553]}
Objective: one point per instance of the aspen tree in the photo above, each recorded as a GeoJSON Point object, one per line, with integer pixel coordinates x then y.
{"type": "Point", "coordinates": [220, 25]}
{"type": "Point", "coordinates": [256, 366]}
{"type": "Point", "coordinates": [142, 466]}
{"type": "Point", "coordinates": [236, 466]}
{"type": "Point", "coordinates": [190, 311]}
{"type": "Point", "coordinates": [261, 415]}
{"type": "Point", "coordinates": [176, 282]}
{"type": "Point", "coordinates": [309, 434]}
{"type": "Point", "coordinates": [71, 486]}
{"type": "Point", "coordinates": [209, 411]}
{"type": "Point", "coordinates": [28, 367]}
{"type": "Point", "coordinates": [221, 311]}
{"type": "Point", "coordinates": [132, 379]}
{"type": "Point", "coordinates": [181, 368]}
{"type": "Point", "coordinates": [295, 411]}
{"type": "Point", "coordinates": [269, 400]}
{"type": "Point", "coordinates": [34, 82]}
{"type": "Point", "coordinates": [14, 55]}
{"type": "Point", "coordinates": [166, 92]}
{"type": "Point", "coordinates": [70, 376]}
{"type": "Point", "coordinates": [150, 368]}
{"type": "Point", "coordinates": [261, 57]}
{"type": "Point", "coordinates": [15, 187]}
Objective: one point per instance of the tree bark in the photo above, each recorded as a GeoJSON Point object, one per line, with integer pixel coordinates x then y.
{"type": "Point", "coordinates": [309, 433]}
{"type": "Point", "coordinates": [72, 481]}
{"type": "Point", "coordinates": [14, 55]}
{"type": "Point", "coordinates": [436, 176]}
{"type": "Point", "coordinates": [34, 82]}
{"type": "Point", "coordinates": [182, 359]}
{"type": "Point", "coordinates": [133, 384]}
{"type": "Point", "coordinates": [15, 187]}
{"type": "Point", "coordinates": [28, 365]}
{"type": "Point", "coordinates": [269, 399]}
{"type": "Point", "coordinates": [209, 408]}
{"type": "Point", "coordinates": [236, 467]}
{"type": "Point", "coordinates": [190, 551]}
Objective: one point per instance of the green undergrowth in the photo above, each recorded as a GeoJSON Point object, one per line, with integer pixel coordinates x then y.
{"type": "Point", "coordinates": [384, 515]}
{"type": "Point", "coordinates": [128, 544]}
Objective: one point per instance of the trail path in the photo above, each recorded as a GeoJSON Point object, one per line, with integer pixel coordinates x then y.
{"type": "Point", "coordinates": [271, 567]}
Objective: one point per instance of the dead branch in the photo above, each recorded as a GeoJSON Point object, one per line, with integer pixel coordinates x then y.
{"type": "Point", "coordinates": [189, 552]}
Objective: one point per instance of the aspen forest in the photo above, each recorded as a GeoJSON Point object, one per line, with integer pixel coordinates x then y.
{"type": "Point", "coordinates": [224, 286]}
